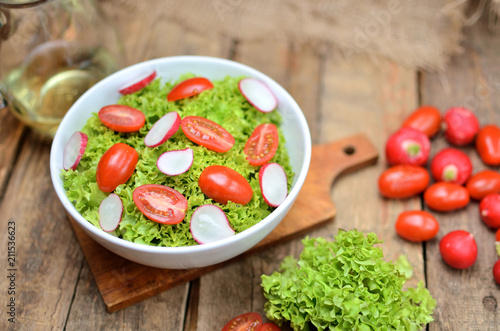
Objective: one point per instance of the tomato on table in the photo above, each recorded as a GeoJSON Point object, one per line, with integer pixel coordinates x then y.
{"type": "Point", "coordinates": [122, 118]}
{"type": "Point", "coordinates": [262, 144]}
{"type": "Point", "coordinates": [207, 133]}
{"type": "Point", "coordinates": [403, 181]}
{"type": "Point", "coordinates": [483, 183]}
{"type": "Point", "coordinates": [416, 225]}
{"type": "Point", "coordinates": [488, 144]}
{"type": "Point", "coordinates": [426, 119]}
{"type": "Point", "coordinates": [160, 204]}
{"type": "Point", "coordinates": [188, 88]}
{"type": "Point", "coordinates": [116, 166]}
{"type": "Point", "coordinates": [444, 196]}
{"type": "Point", "coordinates": [223, 184]}
{"type": "Point", "coordinates": [269, 327]}
{"type": "Point", "coordinates": [244, 322]}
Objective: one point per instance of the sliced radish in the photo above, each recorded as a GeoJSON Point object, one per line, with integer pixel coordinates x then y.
{"type": "Point", "coordinates": [110, 212]}
{"type": "Point", "coordinates": [74, 149]}
{"type": "Point", "coordinates": [163, 129]}
{"type": "Point", "coordinates": [258, 94]}
{"type": "Point", "coordinates": [273, 184]}
{"type": "Point", "coordinates": [209, 223]}
{"type": "Point", "coordinates": [176, 162]}
{"type": "Point", "coordinates": [139, 84]}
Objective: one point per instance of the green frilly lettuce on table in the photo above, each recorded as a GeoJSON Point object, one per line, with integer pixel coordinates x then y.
{"type": "Point", "coordinates": [345, 285]}
{"type": "Point", "coordinates": [223, 104]}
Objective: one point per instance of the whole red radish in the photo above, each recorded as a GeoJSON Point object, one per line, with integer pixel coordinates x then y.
{"type": "Point", "coordinates": [403, 181]}
{"type": "Point", "coordinates": [416, 225]}
{"type": "Point", "coordinates": [483, 183]}
{"type": "Point", "coordinates": [407, 146]}
{"type": "Point", "coordinates": [489, 209]}
{"type": "Point", "coordinates": [461, 126]}
{"type": "Point", "coordinates": [488, 144]}
{"type": "Point", "coordinates": [496, 272]}
{"type": "Point", "coordinates": [458, 249]}
{"type": "Point", "coordinates": [451, 165]}
{"type": "Point", "coordinates": [443, 196]}
{"type": "Point", "coordinates": [426, 119]}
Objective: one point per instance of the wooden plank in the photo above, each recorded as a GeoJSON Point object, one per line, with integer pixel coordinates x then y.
{"type": "Point", "coordinates": [48, 259]}
{"type": "Point", "coordinates": [375, 96]}
{"type": "Point", "coordinates": [10, 139]}
{"type": "Point", "coordinates": [467, 299]}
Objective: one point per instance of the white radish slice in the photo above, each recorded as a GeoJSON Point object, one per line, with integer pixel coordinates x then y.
{"type": "Point", "coordinates": [258, 94]}
{"type": "Point", "coordinates": [176, 162]}
{"type": "Point", "coordinates": [74, 149]}
{"type": "Point", "coordinates": [110, 212]}
{"type": "Point", "coordinates": [139, 84]}
{"type": "Point", "coordinates": [209, 223]}
{"type": "Point", "coordinates": [273, 184]}
{"type": "Point", "coordinates": [163, 129]}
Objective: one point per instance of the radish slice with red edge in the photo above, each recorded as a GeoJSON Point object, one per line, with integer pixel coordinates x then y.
{"type": "Point", "coordinates": [163, 129]}
{"type": "Point", "coordinates": [258, 94]}
{"type": "Point", "coordinates": [209, 223]}
{"type": "Point", "coordinates": [74, 149]}
{"type": "Point", "coordinates": [273, 184]}
{"type": "Point", "coordinates": [139, 84]}
{"type": "Point", "coordinates": [110, 212]}
{"type": "Point", "coordinates": [176, 162]}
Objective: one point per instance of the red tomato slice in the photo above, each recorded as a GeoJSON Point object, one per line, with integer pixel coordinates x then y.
{"type": "Point", "coordinates": [122, 118]}
{"type": "Point", "coordinates": [204, 132]}
{"type": "Point", "coordinates": [262, 144]}
{"type": "Point", "coordinates": [244, 322]}
{"type": "Point", "coordinates": [116, 166]}
{"type": "Point", "coordinates": [188, 88]}
{"type": "Point", "coordinates": [160, 203]}
{"type": "Point", "coordinates": [269, 327]}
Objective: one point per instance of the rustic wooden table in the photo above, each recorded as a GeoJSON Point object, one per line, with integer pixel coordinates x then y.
{"type": "Point", "coordinates": [55, 290]}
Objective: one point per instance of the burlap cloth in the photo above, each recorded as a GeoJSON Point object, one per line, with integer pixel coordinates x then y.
{"type": "Point", "coordinates": [416, 33]}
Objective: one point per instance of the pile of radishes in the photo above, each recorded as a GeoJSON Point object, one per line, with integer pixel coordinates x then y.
{"type": "Point", "coordinates": [163, 204]}
{"type": "Point", "coordinates": [455, 184]}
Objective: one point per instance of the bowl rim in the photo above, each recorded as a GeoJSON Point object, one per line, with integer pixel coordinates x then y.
{"type": "Point", "coordinates": [55, 170]}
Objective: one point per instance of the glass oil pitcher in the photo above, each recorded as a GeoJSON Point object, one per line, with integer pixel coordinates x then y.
{"type": "Point", "coordinates": [51, 52]}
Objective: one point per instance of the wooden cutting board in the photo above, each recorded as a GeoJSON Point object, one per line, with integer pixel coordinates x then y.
{"type": "Point", "coordinates": [123, 283]}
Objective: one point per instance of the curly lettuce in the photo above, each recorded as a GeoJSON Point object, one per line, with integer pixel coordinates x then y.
{"type": "Point", "coordinates": [344, 285]}
{"type": "Point", "coordinates": [222, 104]}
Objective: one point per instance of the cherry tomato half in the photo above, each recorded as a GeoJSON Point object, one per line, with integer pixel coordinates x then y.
{"type": "Point", "coordinates": [416, 225]}
{"type": "Point", "coordinates": [223, 184]}
{"type": "Point", "coordinates": [116, 166]}
{"type": "Point", "coordinates": [262, 144]}
{"type": "Point", "coordinates": [204, 132]}
{"type": "Point", "coordinates": [488, 144]}
{"type": "Point", "coordinates": [483, 183]}
{"type": "Point", "coordinates": [244, 322]}
{"type": "Point", "coordinates": [269, 327]}
{"type": "Point", "coordinates": [444, 196]}
{"type": "Point", "coordinates": [160, 204]}
{"type": "Point", "coordinates": [403, 181]}
{"type": "Point", "coordinates": [122, 118]}
{"type": "Point", "coordinates": [188, 88]}
{"type": "Point", "coordinates": [426, 119]}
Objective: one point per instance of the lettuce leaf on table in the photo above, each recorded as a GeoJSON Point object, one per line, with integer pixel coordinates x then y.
{"type": "Point", "coordinates": [344, 285]}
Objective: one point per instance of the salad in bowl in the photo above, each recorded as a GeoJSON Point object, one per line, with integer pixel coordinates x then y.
{"type": "Point", "coordinates": [181, 162]}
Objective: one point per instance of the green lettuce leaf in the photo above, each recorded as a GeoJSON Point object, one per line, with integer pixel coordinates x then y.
{"type": "Point", "coordinates": [223, 104]}
{"type": "Point", "coordinates": [344, 285]}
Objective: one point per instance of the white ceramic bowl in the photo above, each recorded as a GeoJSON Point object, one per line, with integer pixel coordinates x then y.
{"type": "Point", "coordinates": [298, 144]}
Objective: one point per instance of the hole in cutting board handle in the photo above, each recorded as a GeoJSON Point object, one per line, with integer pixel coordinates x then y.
{"type": "Point", "coordinates": [349, 150]}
